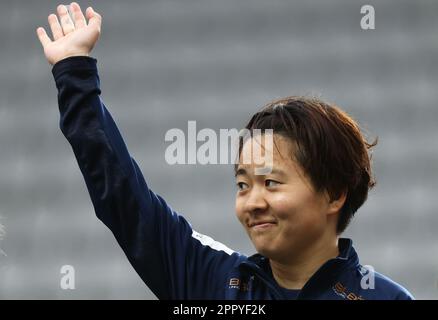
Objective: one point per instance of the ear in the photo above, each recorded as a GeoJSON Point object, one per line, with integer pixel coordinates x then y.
{"type": "Point", "coordinates": [335, 205]}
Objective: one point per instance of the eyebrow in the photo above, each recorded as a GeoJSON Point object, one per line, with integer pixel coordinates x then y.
{"type": "Point", "coordinates": [240, 172]}
{"type": "Point", "coordinates": [243, 172]}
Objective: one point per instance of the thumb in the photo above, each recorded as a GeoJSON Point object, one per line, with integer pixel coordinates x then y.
{"type": "Point", "coordinates": [94, 18]}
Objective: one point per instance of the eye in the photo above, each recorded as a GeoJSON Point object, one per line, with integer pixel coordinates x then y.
{"type": "Point", "coordinates": [241, 186]}
{"type": "Point", "coordinates": [271, 183]}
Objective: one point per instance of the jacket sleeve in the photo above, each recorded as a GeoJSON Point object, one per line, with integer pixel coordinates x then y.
{"type": "Point", "coordinates": [174, 261]}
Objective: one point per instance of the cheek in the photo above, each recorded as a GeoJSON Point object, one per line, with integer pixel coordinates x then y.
{"type": "Point", "coordinates": [284, 206]}
{"type": "Point", "coordinates": [239, 209]}
{"type": "Point", "coordinates": [297, 211]}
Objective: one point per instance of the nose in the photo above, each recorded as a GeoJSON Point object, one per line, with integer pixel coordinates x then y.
{"type": "Point", "coordinates": [256, 202]}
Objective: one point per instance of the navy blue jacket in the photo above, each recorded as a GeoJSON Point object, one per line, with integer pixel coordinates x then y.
{"type": "Point", "coordinates": [173, 260]}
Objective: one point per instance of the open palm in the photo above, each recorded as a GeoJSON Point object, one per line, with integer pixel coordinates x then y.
{"type": "Point", "coordinates": [70, 38]}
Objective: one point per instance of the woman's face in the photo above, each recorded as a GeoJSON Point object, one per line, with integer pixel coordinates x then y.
{"type": "Point", "coordinates": [280, 211]}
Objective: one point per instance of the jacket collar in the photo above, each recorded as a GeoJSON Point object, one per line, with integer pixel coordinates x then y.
{"type": "Point", "coordinates": [259, 266]}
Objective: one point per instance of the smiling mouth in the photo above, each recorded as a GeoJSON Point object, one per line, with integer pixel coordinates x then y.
{"type": "Point", "coordinates": [261, 225]}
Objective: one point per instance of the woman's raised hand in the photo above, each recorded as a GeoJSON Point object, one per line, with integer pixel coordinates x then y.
{"type": "Point", "coordinates": [75, 37]}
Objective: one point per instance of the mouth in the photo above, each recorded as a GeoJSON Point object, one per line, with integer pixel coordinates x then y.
{"type": "Point", "coordinates": [261, 225]}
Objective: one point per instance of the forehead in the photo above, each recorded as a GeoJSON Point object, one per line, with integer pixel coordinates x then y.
{"type": "Point", "coordinates": [274, 151]}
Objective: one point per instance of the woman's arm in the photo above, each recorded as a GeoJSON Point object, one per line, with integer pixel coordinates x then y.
{"type": "Point", "coordinates": [173, 260]}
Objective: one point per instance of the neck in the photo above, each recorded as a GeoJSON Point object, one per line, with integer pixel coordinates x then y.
{"type": "Point", "coordinates": [293, 274]}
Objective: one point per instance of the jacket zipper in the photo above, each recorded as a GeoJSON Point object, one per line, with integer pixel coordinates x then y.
{"type": "Point", "coordinates": [262, 276]}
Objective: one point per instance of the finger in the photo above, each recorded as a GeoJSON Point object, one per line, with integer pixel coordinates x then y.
{"type": "Point", "coordinates": [43, 37]}
{"type": "Point", "coordinates": [78, 16]}
{"type": "Point", "coordinates": [66, 22]}
{"type": "Point", "coordinates": [94, 18]}
{"type": "Point", "coordinates": [55, 27]}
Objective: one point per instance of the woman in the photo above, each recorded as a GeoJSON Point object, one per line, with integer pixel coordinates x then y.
{"type": "Point", "coordinates": [319, 176]}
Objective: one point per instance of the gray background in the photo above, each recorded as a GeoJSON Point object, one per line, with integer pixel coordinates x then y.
{"type": "Point", "coordinates": [163, 63]}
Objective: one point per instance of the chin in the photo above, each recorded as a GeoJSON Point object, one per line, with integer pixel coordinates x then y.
{"type": "Point", "coordinates": [264, 249]}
